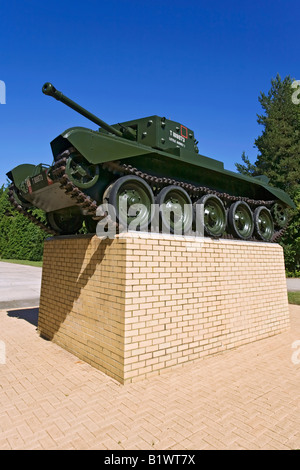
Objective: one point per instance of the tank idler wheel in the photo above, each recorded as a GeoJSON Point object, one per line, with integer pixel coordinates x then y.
{"type": "Point", "coordinates": [263, 222]}
{"type": "Point", "coordinates": [65, 221]}
{"type": "Point", "coordinates": [280, 214]}
{"type": "Point", "coordinates": [132, 199]}
{"type": "Point", "coordinates": [82, 173]}
{"type": "Point", "coordinates": [175, 210]}
{"type": "Point", "coordinates": [240, 220]}
{"type": "Point", "coordinates": [210, 214]}
{"type": "Point", "coordinates": [16, 197]}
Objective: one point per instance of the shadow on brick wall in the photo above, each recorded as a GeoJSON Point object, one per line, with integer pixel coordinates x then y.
{"type": "Point", "coordinates": [58, 296]}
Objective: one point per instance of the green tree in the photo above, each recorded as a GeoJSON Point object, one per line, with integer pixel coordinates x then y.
{"type": "Point", "coordinates": [247, 168]}
{"type": "Point", "coordinates": [4, 219]}
{"type": "Point", "coordinates": [19, 238]}
{"type": "Point", "coordinates": [279, 143]}
{"type": "Point", "coordinates": [291, 240]}
{"type": "Point", "coordinates": [279, 157]}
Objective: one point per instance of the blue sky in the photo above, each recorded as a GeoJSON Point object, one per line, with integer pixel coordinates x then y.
{"type": "Point", "coordinates": [198, 62]}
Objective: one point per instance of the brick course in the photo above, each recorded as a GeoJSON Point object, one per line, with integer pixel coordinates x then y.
{"type": "Point", "coordinates": [140, 303]}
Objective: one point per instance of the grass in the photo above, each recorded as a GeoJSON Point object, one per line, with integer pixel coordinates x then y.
{"type": "Point", "coordinates": [38, 264]}
{"type": "Point", "coordinates": [294, 298]}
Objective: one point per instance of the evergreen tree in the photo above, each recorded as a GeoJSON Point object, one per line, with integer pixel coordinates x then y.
{"type": "Point", "coordinates": [5, 221]}
{"type": "Point", "coordinates": [19, 238]}
{"type": "Point", "coordinates": [247, 168]}
{"type": "Point", "coordinates": [279, 143]}
{"type": "Point", "coordinates": [279, 157]}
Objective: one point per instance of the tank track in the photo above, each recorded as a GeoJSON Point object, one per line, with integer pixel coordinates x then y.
{"type": "Point", "coordinates": [27, 213]}
{"type": "Point", "coordinates": [192, 190]}
{"type": "Point", "coordinates": [80, 199]}
{"type": "Point", "coordinates": [89, 206]}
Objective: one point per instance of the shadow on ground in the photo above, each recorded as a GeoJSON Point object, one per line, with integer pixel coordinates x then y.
{"type": "Point", "coordinates": [28, 314]}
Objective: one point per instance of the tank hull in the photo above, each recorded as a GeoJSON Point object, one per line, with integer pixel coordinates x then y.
{"type": "Point", "coordinates": [178, 164]}
{"type": "Point", "coordinates": [79, 152]}
{"type": "Point", "coordinates": [144, 174]}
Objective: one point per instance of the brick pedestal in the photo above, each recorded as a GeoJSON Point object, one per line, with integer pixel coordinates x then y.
{"type": "Point", "coordinates": [140, 303]}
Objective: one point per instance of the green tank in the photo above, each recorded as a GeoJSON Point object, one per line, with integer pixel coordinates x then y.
{"type": "Point", "coordinates": [150, 172]}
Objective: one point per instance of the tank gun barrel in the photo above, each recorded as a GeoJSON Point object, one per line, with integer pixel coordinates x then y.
{"type": "Point", "coordinates": [50, 90]}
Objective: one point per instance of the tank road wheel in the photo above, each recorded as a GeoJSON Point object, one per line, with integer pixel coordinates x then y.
{"type": "Point", "coordinates": [240, 220]}
{"type": "Point", "coordinates": [263, 222]}
{"type": "Point", "coordinates": [65, 221]}
{"type": "Point", "coordinates": [175, 210]}
{"type": "Point", "coordinates": [132, 199]}
{"type": "Point", "coordinates": [213, 215]}
{"type": "Point", "coordinates": [82, 173]}
{"type": "Point", "coordinates": [280, 214]}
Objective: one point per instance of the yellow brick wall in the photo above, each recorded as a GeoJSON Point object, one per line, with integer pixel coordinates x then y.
{"type": "Point", "coordinates": [141, 303]}
{"type": "Point", "coordinates": [83, 297]}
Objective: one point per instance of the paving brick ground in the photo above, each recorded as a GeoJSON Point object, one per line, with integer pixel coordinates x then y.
{"type": "Point", "coordinates": [247, 398]}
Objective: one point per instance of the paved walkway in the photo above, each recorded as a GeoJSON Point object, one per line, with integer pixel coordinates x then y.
{"type": "Point", "coordinates": [293, 284]}
{"type": "Point", "coordinates": [246, 398]}
{"type": "Point", "coordinates": [20, 285]}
